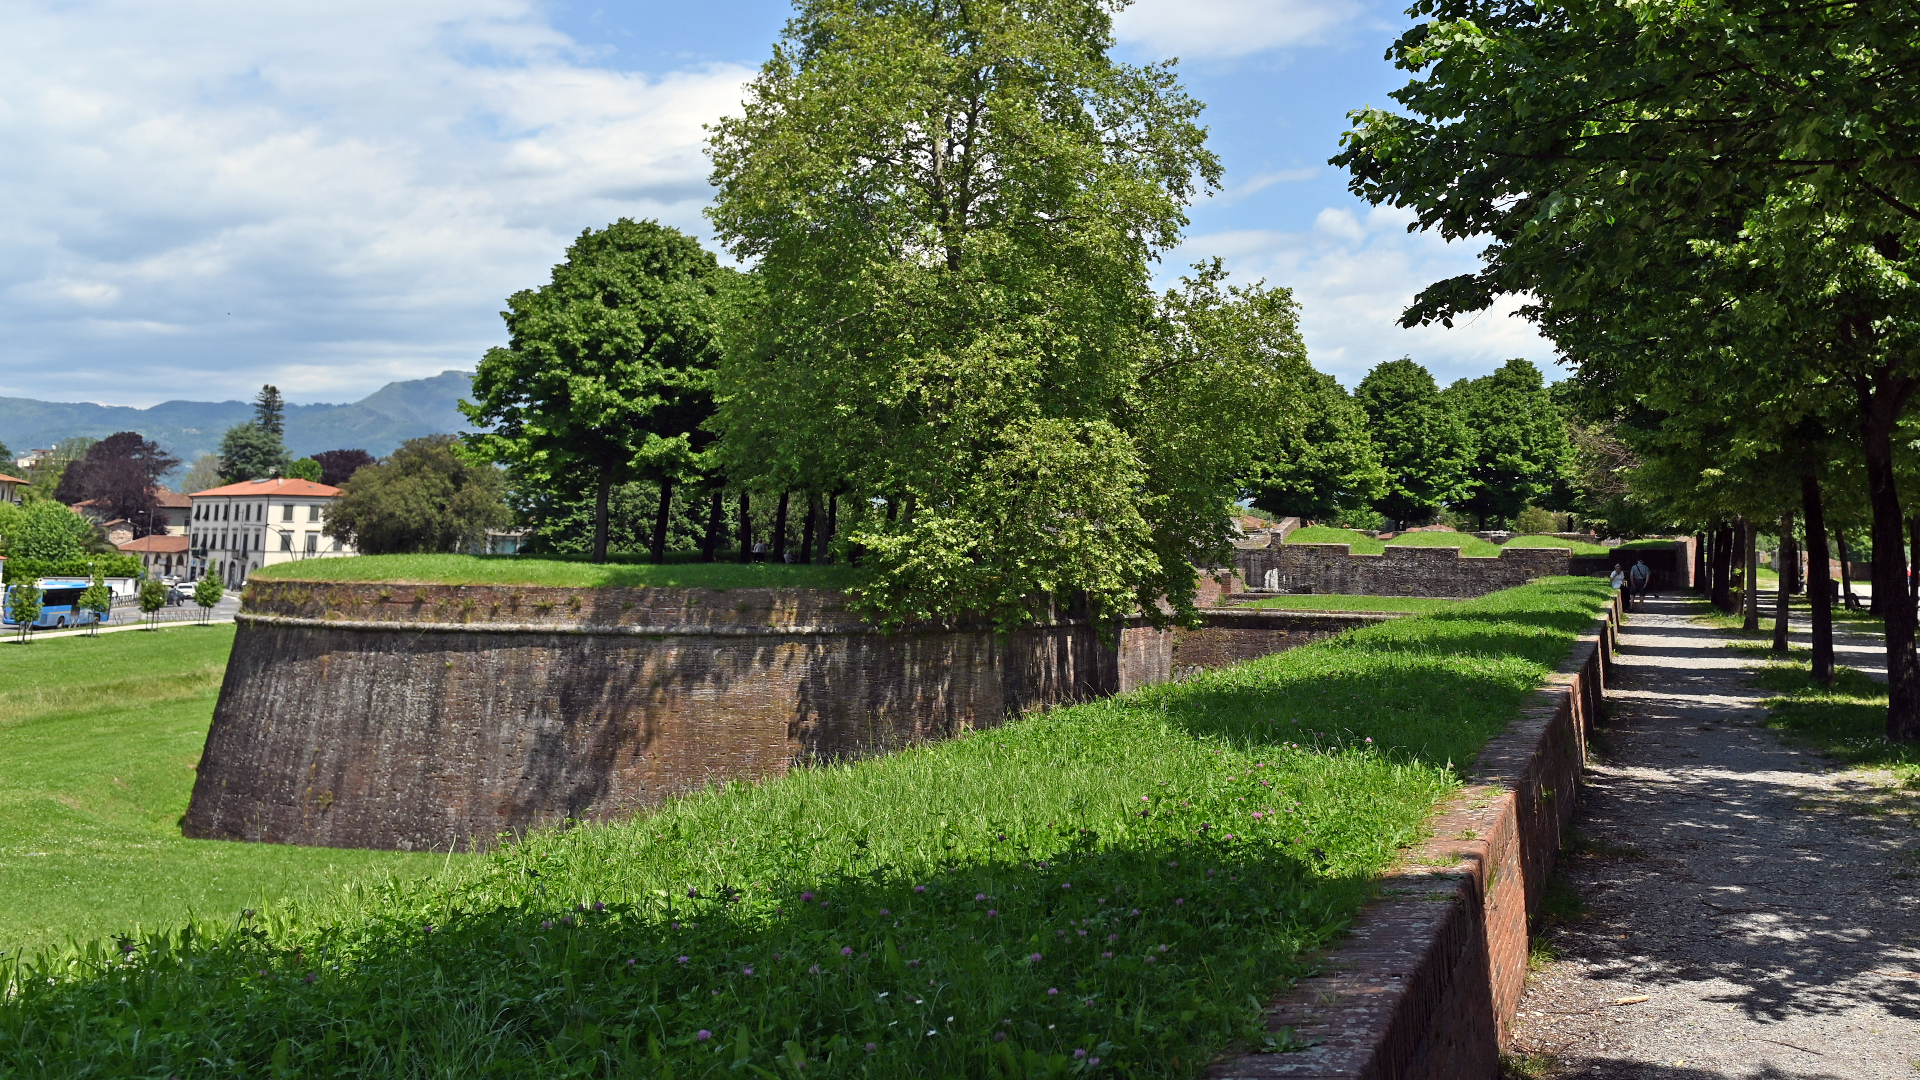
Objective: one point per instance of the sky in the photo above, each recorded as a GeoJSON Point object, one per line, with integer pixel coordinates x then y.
{"type": "Point", "coordinates": [206, 195]}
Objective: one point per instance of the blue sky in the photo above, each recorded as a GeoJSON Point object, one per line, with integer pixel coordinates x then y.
{"type": "Point", "coordinates": [208, 194]}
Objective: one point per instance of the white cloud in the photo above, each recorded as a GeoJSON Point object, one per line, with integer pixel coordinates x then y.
{"type": "Point", "coordinates": [1194, 29]}
{"type": "Point", "coordinates": [1354, 273]}
{"type": "Point", "coordinates": [203, 196]}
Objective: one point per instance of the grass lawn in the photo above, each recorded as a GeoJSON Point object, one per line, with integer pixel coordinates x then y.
{"type": "Point", "coordinates": [98, 739]}
{"type": "Point", "coordinates": [1336, 602]}
{"type": "Point", "coordinates": [1846, 721]}
{"type": "Point", "coordinates": [1362, 544]}
{"type": "Point", "coordinates": [1578, 547]}
{"type": "Point", "coordinates": [576, 573]}
{"type": "Point", "coordinates": [1125, 880]}
{"type": "Point", "coordinates": [1470, 545]}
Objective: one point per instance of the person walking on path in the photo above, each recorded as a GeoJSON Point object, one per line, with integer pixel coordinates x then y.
{"type": "Point", "coordinates": [1618, 579]}
{"type": "Point", "coordinates": [1744, 910]}
{"type": "Point", "coordinates": [1638, 577]}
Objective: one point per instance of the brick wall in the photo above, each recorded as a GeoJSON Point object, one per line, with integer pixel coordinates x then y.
{"type": "Point", "coordinates": [418, 717]}
{"type": "Point", "coordinates": [1401, 571]}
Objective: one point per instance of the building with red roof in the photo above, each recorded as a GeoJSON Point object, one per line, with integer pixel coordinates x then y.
{"type": "Point", "coordinates": [164, 556]}
{"type": "Point", "coordinates": [10, 488]}
{"type": "Point", "coordinates": [238, 528]}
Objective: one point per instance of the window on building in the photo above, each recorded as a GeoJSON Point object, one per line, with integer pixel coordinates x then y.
{"type": "Point", "coordinates": [313, 512]}
{"type": "Point", "coordinates": [313, 543]}
{"type": "Point", "coordinates": [286, 512]}
{"type": "Point", "coordinates": [286, 541]}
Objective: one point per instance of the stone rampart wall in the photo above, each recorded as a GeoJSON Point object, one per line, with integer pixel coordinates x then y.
{"type": "Point", "coordinates": [424, 717]}
{"type": "Point", "coordinates": [1401, 571]}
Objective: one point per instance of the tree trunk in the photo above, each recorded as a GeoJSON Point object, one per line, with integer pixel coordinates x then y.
{"type": "Point", "coordinates": [1723, 568]}
{"type": "Point", "coordinates": [780, 530]}
{"type": "Point", "coordinates": [1889, 560]}
{"type": "Point", "coordinates": [746, 529]}
{"type": "Point", "coordinates": [710, 543]}
{"type": "Point", "coordinates": [1846, 571]}
{"type": "Point", "coordinates": [807, 527]}
{"type": "Point", "coordinates": [1790, 559]}
{"type": "Point", "coordinates": [833, 527]}
{"type": "Point", "coordinates": [658, 547]}
{"type": "Point", "coordinates": [1819, 579]}
{"type": "Point", "coordinates": [1700, 562]}
{"type": "Point", "coordinates": [1750, 580]}
{"type": "Point", "coordinates": [1780, 603]}
{"type": "Point", "coordinates": [1913, 578]}
{"type": "Point", "coordinates": [601, 492]}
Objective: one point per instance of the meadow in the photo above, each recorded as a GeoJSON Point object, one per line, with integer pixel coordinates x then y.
{"type": "Point", "coordinates": [1109, 887]}
{"type": "Point", "coordinates": [98, 741]}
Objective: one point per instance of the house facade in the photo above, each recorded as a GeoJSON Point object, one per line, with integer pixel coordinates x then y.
{"type": "Point", "coordinates": [169, 515]}
{"type": "Point", "coordinates": [237, 529]}
{"type": "Point", "coordinates": [10, 488]}
{"type": "Point", "coordinates": [163, 556]}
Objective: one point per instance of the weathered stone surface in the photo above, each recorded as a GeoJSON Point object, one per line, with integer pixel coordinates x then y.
{"type": "Point", "coordinates": [1401, 571]}
{"type": "Point", "coordinates": [424, 717]}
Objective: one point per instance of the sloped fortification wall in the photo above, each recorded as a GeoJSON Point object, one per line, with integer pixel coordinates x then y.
{"type": "Point", "coordinates": [1401, 571]}
{"type": "Point", "coordinates": [419, 717]}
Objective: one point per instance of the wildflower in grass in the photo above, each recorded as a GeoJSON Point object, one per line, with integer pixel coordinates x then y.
{"type": "Point", "coordinates": [1113, 937]}
{"type": "Point", "coordinates": [598, 906]}
{"type": "Point", "coordinates": [1257, 815]}
{"type": "Point", "coordinates": [806, 897]}
{"type": "Point", "coordinates": [1066, 884]}
{"type": "Point", "coordinates": [884, 911]}
{"type": "Point", "coordinates": [991, 913]}
{"type": "Point", "coordinates": [692, 893]}
{"type": "Point", "coordinates": [1106, 956]}
{"type": "Point", "coordinates": [979, 896]}
{"type": "Point", "coordinates": [824, 903]}
{"type": "Point", "coordinates": [846, 950]}
{"type": "Point", "coordinates": [1179, 902]}
{"type": "Point", "coordinates": [683, 960]}
{"type": "Point", "coordinates": [746, 971]}
{"type": "Point", "coordinates": [702, 1035]}
{"type": "Point", "coordinates": [999, 1036]}
{"type": "Point", "coordinates": [1092, 1061]}
{"type": "Point", "coordinates": [1078, 1054]}
{"type": "Point", "coordinates": [1163, 948]}
{"type": "Point", "coordinates": [913, 963]}
{"type": "Point", "coordinates": [814, 970]}
{"type": "Point", "coordinates": [871, 1047]}
{"type": "Point", "coordinates": [546, 924]}
{"type": "Point", "coordinates": [1053, 991]}
{"type": "Point", "coordinates": [919, 888]}
{"type": "Point", "coordinates": [1150, 959]}
{"type": "Point", "coordinates": [630, 963]}
{"type": "Point", "coordinates": [1035, 958]}
{"type": "Point", "coordinates": [1136, 911]}
{"type": "Point", "coordinates": [674, 926]}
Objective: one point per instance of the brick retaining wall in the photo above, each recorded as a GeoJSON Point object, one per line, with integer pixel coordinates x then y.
{"type": "Point", "coordinates": [399, 716]}
{"type": "Point", "coordinates": [1401, 571]}
{"type": "Point", "coordinates": [1426, 982]}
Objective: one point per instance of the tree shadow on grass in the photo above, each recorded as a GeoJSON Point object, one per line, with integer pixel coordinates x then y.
{"type": "Point", "coordinates": [1150, 958]}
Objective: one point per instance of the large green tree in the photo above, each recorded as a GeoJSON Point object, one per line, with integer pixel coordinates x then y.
{"type": "Point", "coordinates": [1519, 439]}
{"type": "Point", "coordinates": [251, 452]}
{"type": "Point", "coordinates": [1585, 140]}
{"type": "Point", "coordinates": [953, 210]}
{"type": "Point", "coordinates": [1318, 463]}
{"type": "Point", "coordinates": [120, 474]}
{"type": "Point", "coordinates": [607, 374]}
{"type": "Point", "coordinates": [1425, 445]}
{"type": "Point", "coordinates": [425, 497]}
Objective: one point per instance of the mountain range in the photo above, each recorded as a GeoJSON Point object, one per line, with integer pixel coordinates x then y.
{"type": "Point", "coordinates": [376, 423]}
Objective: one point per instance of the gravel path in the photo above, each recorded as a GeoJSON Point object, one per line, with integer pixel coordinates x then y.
{"type": "Point", "coordinates": [1757, 897]}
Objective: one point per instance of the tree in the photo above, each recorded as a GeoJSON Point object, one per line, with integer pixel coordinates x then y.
{"type": "Point", "coordinates": [204, 474]}
{"type": "Point", "coordinates": [1318, 464]}
{"type": "Point", "coordinates": [98, 599]}
{"type": "Point", "coordinates": [270, 410]}
{"type": "Point", "coordinates": [23, 607]}
{"type": "Point", "coordinates": [338, 466]}
{"type": "Point", "coordinates": [425, 497]}
{"type": "Point", "coordinates": [47, 532]}
{"type": "Point", "coordinates": [120, 474]}
{"type": "Point", "coordinates": [1424, 444]}
{"type": "Point", "coordinates": [250, 452]}
{"type": "Point", "coordinates": [952, 211]}
{"type": "Point", "coordinates": [1519, 437]}
{"type": "Point", "coordinates": [1586, 141]}
{"type": "Point", "coordinates": [607, 374]}
{"type": "Point", "coordinates": [51, 468]}
{"type": "Point", "coordinates": [207, 592]}
{"type": "Point", "coordinates": [153, 597]}
{"type": "Point", "coordinates": [304, 469]}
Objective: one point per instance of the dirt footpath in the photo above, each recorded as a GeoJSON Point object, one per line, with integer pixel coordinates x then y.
{"type": "Point", "coordinates": [1772, 926]}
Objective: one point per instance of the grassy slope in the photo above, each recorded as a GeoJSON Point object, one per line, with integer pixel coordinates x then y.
{"type": "Point", "coordinates": [1094, 879]}
{"type": "Point", "coordinates": [520, 570]}
{"type": "Point", "coordinates": [98, 739]}
{"type": "Point", "coordinates": [1471, 546]}
{"type": "Point", "coordinates": [1578, 547]}
{"type": "Point", "coordinates": [1328, 534]}
{"type": "Point", "coordinates": [1336, 602]}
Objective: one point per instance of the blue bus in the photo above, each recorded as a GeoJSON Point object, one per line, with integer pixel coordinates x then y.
{"type": "Point", "coordinates": [59, 605]}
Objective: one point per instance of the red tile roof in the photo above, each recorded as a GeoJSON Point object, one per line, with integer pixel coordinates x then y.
{"type": "Point", "coordinates": [5, 479]}
{"type": "Point", "coordinates": [159, 545]}
{"type": "Point", "coordinates": [281, 486]}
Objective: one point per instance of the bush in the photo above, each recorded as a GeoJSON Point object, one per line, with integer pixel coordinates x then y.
{"type": "Point", "coordinates": [425, 498]}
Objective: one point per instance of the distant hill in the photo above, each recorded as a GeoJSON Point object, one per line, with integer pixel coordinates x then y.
{"type": "Point", "coordinates": [377, 423]}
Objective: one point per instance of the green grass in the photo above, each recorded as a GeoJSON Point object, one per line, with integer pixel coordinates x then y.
{"type": "Point", "coordinates": [1578, 547]}
{"type": "Point", "coordinates": [1633, 545]}
{"type": "Point", "coordinates": [1362, 544]}
{"type": "Point", "coordinates": [1846, 721]}
{"type": "Point", "coordinates": [573, 573]}
{"type": "Point", "coordinates": [1130, 878]}
{"type": "Point", "coordinates": [1337, 602]}
{"type": "Point", "coordinates": [98, 739]}
{"type": "Point", "coordinates": [1470, 546]}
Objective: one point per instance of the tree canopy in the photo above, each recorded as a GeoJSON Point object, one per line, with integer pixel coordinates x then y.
{"type": "Point", "coordinates": [1318, 463]}
{"type": "Point", "coordinates": [607, 374]}
{"type": "Point", "coordinates": [1425, 445]}
{"type": "Point", "coordinates": [336, 466]}
{"type": "Point", "coordinates": [251, 452]}
{"type": "Point", "coordinates": [426, 497]}
{"type": "Point", "coordinates": [121, 474]}
{"type": "Point", "coordinates": [1520, 446]}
